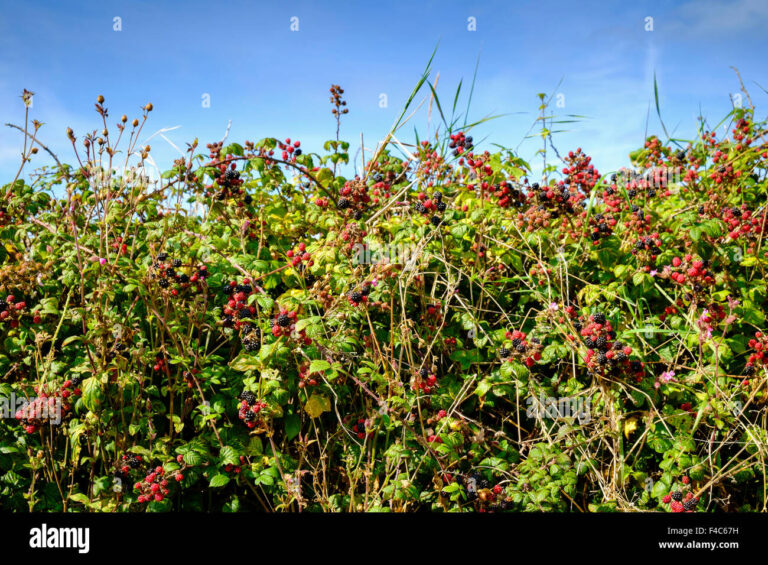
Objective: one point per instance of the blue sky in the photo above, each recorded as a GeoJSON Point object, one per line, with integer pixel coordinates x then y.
{"type": "Point", "coordinates": [271, 81]}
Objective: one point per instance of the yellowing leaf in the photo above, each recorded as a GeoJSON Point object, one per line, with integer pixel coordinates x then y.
{"type": "Point", "coordinates": [316, 405]}
{"type": "Point", "coordinates": [629, 427]}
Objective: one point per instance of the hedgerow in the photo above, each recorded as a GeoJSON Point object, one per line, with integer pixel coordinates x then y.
{"type": "Point", "coordinates": [252, 331]}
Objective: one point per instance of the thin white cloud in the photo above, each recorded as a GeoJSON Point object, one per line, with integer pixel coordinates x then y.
{"type": "Point", "coordinates": [704, 19]}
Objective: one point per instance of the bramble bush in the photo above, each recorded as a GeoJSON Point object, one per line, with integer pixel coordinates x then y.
{"type": "Point", "coordinates": [253, 331]}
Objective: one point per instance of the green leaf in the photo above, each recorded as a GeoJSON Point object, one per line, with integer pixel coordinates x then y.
{"type": "Point", "coordinates": [219, 480]}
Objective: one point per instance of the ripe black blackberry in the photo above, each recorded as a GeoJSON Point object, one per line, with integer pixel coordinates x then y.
{"type": "Point", "coordinates": [343, 203]}
{"type": "Point", "coordinates": [355, 297]}
{"type": "Point", "coordinates": [170, 272]}
{"type": "Point", "coordinates": [598, 318]}
{"type": "Point", "coordinates": [436, 220]}
{"type": "Point", "coordinates": [602, 359]}
{"type": "Point", "coordinates": [250, 344]}
{"type": "Point", "coordinates": [358, 215]}
{"type": "Point", "coordinates": [749, 370]}
{"type": "Point", "coordinates": [690, 504]}
{"type": "Point", "coordinates": [244, 313]}
{"type": "Point", "coordinates": [577, 326]}
{"type": "Point", "coordinates": [520, 348]}
{"type": "Point", "coordinates": [601, 342]}
{"type": "Point", "coordinates": [420, 208]}
{"type": "Point", "coordinates": [441, 206]}
{"type": "Point", "coordinates": [163, 283]}
{"type": "Point", "coordinates": [162, 256]}
{"type": "Point", "coordinates": [249, 416]}
{"type": "Point", "coordinates": [504, 352]}
{"type": "Point", "coordinates": [226, 289]}
{"type": "Point", "coordinates": [231, 175]}
{"type": "Point", "coordinates": [631, 193]}
{"type": "Point", "coordinates": [283, 320]}
{"type": "Point", "coordinates": [132, 461]}
{"type": "Point", "coordinates": [423, 373]}
{"type": "Point", "coordinates": [249, 397]}
{"type": "Point", "coordinates": [437, 196]}
{"type": "Point", "coordinates": [620, 357]}
{"type": "Point", "coordinates": [183, 278]}
{"type": "Point", "coordinates": [244, 288]}
{"type": "Point", "coordinates": [516, 342]}
{"type": "Point", "coordinates": [590, 343]}
{"type": "Point", "coordinates": [176, 263]}
{"type": "Point", "coordinates": [365, 290]}
{"type": "Point", "coordinates": [247, 199]}
{"type": "Point", "coordinates": [677, 496]}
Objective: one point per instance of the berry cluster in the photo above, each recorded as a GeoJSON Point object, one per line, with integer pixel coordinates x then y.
{"type": "Point", "coordinates": [603, 353]}
{"type": "Point", "coordinates": [679, 502]}
{"type": "Point", "coordinates": [460, 143]}
{"type": "Point", "coordinates": [646, 249]}
{"type": "Point", "coordinates": [290, 150]}
{"type": "Point", "coordinates": [250, 407]}
{"type": "Point", "coordinates": [485, 497]}
{"type": "Point", "coordinates": [160, 363]}
{"type": "Point", "coordinates": [130, 461]}
{"type": "Point", "coordinates": [361, 430]}
{"type": "Point", "coordinates": [426, 381]}
{"type": "Point", "coordinates": [12, 311]}
{"type": "Point", "coordinates": [509, 196]}
{"type": "Point", "coordinates": [744, 224]}
{"type": "Point", "coordinates": [153, 487]}
{"type": "Point", "coordinates": [338, 103]}
{"type": "Point", "coordinates": [354, 197]}
{"type": "Point", "coordinates": [694, 274]}
{"type": "Point", "coordinates": [357, 297]}
{"type": "Point", "coordinates": [237, 310]}
{"type": "Point", "coordinates": [167, 272]}
{"type": "Point", "coordinates": [580, 174]}
{"type": "Point", "coordinates": [299, 257]}
{"type": "Point", "coordinates": [760, 356]}
{"type": "Point", "coordinates": [119, 245]}
{"type": "Point", "coordinates": [284, 324]}
{"type": "Point", "coordinates": [426, 206]}
{"type": "Point", "coordinates": [227, 178]}
{"type": "Point", "coordinates": [305, 377]}
{"type": "Point", "coordinates": [601, 227]}
{"type": "Point", "coordinates": [518, 347]}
